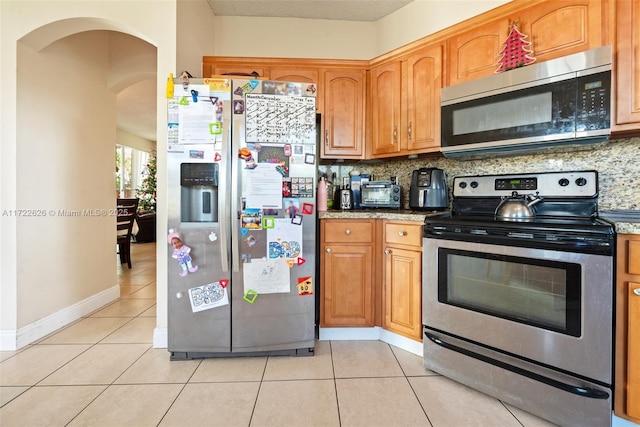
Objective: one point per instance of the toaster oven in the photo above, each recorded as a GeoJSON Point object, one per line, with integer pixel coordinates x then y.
{"type": "Point", "coordinates": [381, 194]}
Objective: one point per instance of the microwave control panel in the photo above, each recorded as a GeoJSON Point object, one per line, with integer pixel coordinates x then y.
{"type": "Point", "coordinates": [593, 111]}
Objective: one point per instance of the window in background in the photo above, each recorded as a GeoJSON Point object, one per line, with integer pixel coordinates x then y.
{"type": "Point", "coordinates": [130, 165]}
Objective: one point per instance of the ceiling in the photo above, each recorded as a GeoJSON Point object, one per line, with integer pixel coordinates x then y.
{"type": "Point", "coordinates": [350, 10]}
{"type": "Point", "coordinates": [137, 113]}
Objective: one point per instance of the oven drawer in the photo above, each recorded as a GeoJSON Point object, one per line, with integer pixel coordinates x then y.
{"type": "Point", "coordinates": [403, 234]}
{"type": "Point", "coordinates": [348, 231]}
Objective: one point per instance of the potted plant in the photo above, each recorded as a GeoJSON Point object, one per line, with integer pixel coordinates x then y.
{"type": "Point", "coordinates": [146, 194]}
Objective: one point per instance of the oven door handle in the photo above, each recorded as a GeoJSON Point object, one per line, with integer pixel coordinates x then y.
{"type": "Point", "coordinates": [580, 391]}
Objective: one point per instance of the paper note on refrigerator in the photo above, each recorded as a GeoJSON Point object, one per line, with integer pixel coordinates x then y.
{"type": "Point", "coordinates": [284, 240]}
{"type": "Point", "coordinates": [280, 119]}
{"type": "Point", "coordinates": [266, 276]}
{"type": "Point", "coordinates": [208, 296]}
{"type": "Point", "coordinates": [264, 187]}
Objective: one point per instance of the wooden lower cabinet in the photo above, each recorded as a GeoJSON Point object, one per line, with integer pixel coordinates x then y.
{"type": "Point", "coordinates": [346, 282]}
{"type": "Point", "coordinates": [357, 292]}
{"type": "Point", "coordinates": [402, 278]}
{"type": "Point", "coordinates": [627, 351]}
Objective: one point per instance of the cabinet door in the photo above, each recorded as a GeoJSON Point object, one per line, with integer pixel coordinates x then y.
{"type": "Point", "coordinates": [402, 292]}
{"type": "Point", "coordinates": [386, 87]}
{"type": "Point", "coordinates": [343, 114]}
{"type": "Point", "coordinates": [628, 64]}
{"type": "Point", "coordinates": [475, 53]}
{"type": "Point", "coordinates": [346, 285]}
{"type": "Point", "coordinates": [558, 29]}
{"type": "Point", "coordinates": [301, 75]}
{"type": "Point", "coordinates": [230, 71]}
{"type": "Point", "coordinates": [423, 84]}
{"type": "Point", "coordinates": [633, 351]}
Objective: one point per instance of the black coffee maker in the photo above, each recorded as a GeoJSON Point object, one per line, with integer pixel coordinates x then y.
{"type": "Point", "coordinates": [428, 190]}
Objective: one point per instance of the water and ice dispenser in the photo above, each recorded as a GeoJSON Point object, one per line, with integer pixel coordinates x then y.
{"type": "Point", "coordinates": [199, 192]}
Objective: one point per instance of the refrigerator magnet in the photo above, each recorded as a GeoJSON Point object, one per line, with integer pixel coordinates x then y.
{"type": "Point", "coordinates": [307, 208]}
{"type": "Point", "coordinates": [208, 296]}
{"type": "Point", "coordinates": [181, 253]}
{"type": "Point", "coordinates": [291, 262]}
{"type": "Point", "coordinates": [238, 107]}
{"type": "Point", "coordinates": [268, 222]}
{"type": "Point", "coordinates": [296, 220]}
{"type": "Point", "coordinates": [215, 128]}
{"type": "Point", "coordinates": [310, 158]}
{"type": "Point", "coordinates": [300, 261]}
{"type": "Point", "coordinates": [250, 296]}
{"type": "Point", "coordinates": [305, 286]}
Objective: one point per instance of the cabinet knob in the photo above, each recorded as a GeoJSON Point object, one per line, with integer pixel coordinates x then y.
{"type": "Point", "coordinates": [387, 251]}
{"type": "Point", "coordinates": [347, 231]}
{"type": "Point", "coordinates": [328, 250]}
{"type": "Point", "coordinates": [326, 137]}
{"type": "Point", "coordinates": [402, 233]}
{"type": "Point", "coordinates": [410, 130]}
{"type": "Point", "coordinates": [637, 291]}
{"type": "Point", "coordinates": [395, 134]}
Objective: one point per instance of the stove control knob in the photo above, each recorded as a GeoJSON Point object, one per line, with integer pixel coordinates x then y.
{"type": "Point", "coordinates": [563, 182]}
{"type": "Point", "coordinates": [474, 184]}
{"type": "Point", "coordinates": [581, 182]}
{"type": "Point", "coordinates": [462, 184]}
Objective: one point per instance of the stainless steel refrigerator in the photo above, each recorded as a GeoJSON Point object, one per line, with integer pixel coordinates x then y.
{"type": "Point", "coordinates": [242, 179]}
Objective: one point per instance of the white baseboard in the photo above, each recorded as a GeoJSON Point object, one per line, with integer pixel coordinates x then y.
{"type": "Point", "coordinates": [160, 338]}
{"type": "Point", "coordinates": [375, 333]}
{"type": "Point", "coordinates": [11, 340]}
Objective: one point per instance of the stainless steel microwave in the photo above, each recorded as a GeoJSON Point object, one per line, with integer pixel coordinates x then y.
{"type": "Point", "coordinates": [564, 101]}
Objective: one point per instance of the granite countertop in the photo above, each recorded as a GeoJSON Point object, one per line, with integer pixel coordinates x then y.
{"type": "Point", "coordinates": [625, 221]}
{"type": "Point", "coordinates": [396, 214]}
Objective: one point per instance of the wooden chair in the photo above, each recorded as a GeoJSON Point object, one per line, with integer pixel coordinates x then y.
{"type": "Point", "coordinates": [126, 215]}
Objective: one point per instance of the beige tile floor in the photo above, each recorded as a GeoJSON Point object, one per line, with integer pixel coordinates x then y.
{"type": "Point", "coordinates": [103, 371]}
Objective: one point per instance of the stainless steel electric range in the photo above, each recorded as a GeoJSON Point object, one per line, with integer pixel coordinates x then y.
{"type": "Point", "coordinates": [518, 293]}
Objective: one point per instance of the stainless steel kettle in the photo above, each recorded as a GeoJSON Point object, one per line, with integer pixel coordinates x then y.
{"type": "Point", "coordinates": [517, 207]}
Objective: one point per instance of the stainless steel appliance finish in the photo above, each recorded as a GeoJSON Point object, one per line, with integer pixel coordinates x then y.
{"type": "Point", "coordinates": [381, 194]}
{"type": "Point", "coordinates": [428, 189]}
{"type": "Point", "coordinates": [228, 249]}
{"type": "Point", "coordinates": [561, 102]}
{"type": "Point", "coordinates": [523, 311]}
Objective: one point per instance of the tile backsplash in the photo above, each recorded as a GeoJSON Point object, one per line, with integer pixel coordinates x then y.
{"type": "Point", "coordinates": [617, 163]}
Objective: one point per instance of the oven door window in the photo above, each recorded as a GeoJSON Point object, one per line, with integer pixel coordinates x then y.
{"type": "Point", "coordinates": [541, 293]}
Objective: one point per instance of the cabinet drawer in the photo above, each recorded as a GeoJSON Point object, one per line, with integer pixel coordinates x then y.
{"type": "Point", "coordinates": [634, 257]}
{"type": "Point", "coordinates": [336, 231]}
{"type": "Point", "coordinates": [403, 234]}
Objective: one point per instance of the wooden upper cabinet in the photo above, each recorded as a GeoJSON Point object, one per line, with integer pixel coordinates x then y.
{"type": "Point", "coordinates": [555, 28]}
{"type": "Point", "coordinates": [475, 53]}
{"type": "Point", "coordinates": [422, 95]}
{"type": "Point", "coordinates": [386, 87]}
{"type": "Point", "coordinates": [344, 92]}
{"type": "Point", "coordinates": [405, 104]}
{"type": "Point", "coordinates": [304, 75]}
{"type": "Point", "coordinates": [300, 75]}
{"type": "Point", "coordinates": [627, 67]}
{"type": "Point", "coordinates": [559, 28]}
{"type": "Point", "coordinates": [210, 69]}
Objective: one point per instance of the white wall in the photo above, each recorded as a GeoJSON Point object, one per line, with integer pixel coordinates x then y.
{"type": "Point", "coordinates": [46, 149]}
{"type": "Point", "coordinates": [64, 163]}
{"type": "Point", "coordinates": [421, 18]}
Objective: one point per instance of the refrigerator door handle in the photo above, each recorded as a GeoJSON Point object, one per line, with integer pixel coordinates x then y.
{"type": "Point", "coordinates": [234, 210]}
{"type": "Point", "coordinates": [223, 200]}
